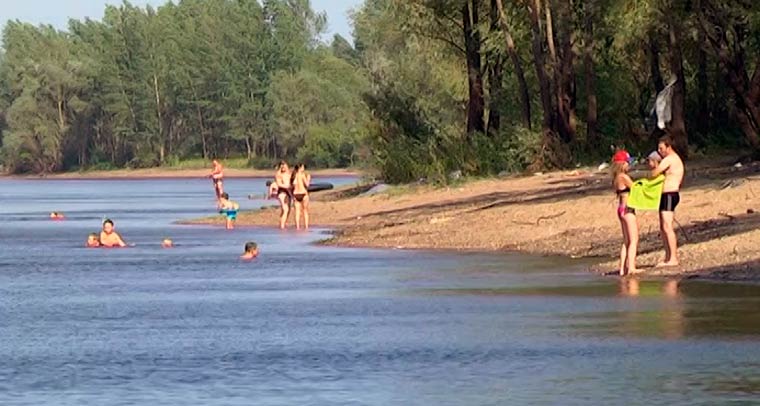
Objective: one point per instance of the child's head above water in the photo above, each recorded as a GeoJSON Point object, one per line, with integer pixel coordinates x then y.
{"type": "Point", "coordinates": [107, 225]}
{"type": "Point", "coordinates": [251, 250]}
{"type": "Point", "coordinates": [92, 240]}
{"type": "Point", "coordinates": [167, 243]}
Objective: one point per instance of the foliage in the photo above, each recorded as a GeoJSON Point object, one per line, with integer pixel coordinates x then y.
{"type": "Point", "coordinates": [201, 78]}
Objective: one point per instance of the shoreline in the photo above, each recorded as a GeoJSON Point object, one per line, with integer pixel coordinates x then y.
{"type": "Point", "coordinates": [168, 173]}
{"type": "Point", "coordinates": [568, 214]}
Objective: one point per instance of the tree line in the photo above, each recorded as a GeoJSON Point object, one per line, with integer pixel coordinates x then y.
{"type": "Point", "coordinates": [199, 79]}
{"type": "Point", "coordinates": [428, 86]}
{"type": "Point", "coordinates": [485, 86]}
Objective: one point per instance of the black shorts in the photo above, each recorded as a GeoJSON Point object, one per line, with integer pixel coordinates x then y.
{"type": "Point", "coordinates": [669, 201]}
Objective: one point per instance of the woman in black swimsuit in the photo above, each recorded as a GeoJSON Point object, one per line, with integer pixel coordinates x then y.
{"type": "Point", "coordinates": [301, 181]}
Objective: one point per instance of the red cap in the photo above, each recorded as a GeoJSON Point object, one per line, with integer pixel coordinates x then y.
{"type": "Point", "coordinates": [621, 156]}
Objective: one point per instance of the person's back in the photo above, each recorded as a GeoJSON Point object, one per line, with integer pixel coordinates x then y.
{"type": "Point", "coordinates": [301, 183]}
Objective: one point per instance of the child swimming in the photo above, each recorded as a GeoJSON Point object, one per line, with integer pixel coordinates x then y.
{"type": "Point", "coordinates": [230, 209]}
{"type": "Point", "coordinates": [92, 241]}
{"type": "Point", "coordinates": [251, 251]}
{"type": "Point", "coordinates": [167, 243]}
{"type": "Point", "coordinates": [110, 238]}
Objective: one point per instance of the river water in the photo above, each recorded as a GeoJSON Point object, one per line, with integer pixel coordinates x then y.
{"type": "Point", "coordinates": [306, 324]}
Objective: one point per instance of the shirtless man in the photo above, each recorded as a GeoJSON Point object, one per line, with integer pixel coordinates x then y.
{"type": "Point", "coordinates": [110, 238]}
{"type": "Point", "coordinates": [301, 181]}
{"type": "Point", "coordinates": [282, 180]}
{"type": "Point", "coordinates": [217, 175]}
{"type": "Point", "coordinates": [672, 166]}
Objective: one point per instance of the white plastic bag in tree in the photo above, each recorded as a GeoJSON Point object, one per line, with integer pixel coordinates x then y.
{"type": "Point", "coordinates": [663, 105]}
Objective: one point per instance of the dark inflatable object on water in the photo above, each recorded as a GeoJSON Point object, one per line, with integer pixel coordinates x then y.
{"type": "Point", "coordinates": [314, 187]}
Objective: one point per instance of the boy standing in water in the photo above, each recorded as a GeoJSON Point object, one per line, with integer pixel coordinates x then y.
{"type": "Point", "coordinates": [110, 238]}
{"type": "Point", "coordinates": [229, 209]}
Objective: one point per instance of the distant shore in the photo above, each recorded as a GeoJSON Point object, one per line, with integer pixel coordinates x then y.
{"type": "Point", "coordinates": [168, 173]}
{"type": "Point", "coordinates": [568, 213]}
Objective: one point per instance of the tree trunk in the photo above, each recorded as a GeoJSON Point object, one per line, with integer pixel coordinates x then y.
{"type": "Point", "coordinates": [495, 79]}
{"type": "Point", "coordinates": [475, 103]}
{"type": "Point", "coordinates": [677, 128]}
{"type": "Point", "coordinates": [654, 65]}
{"type": "Point", "coordinates": [162, 142]}
{"type": "Point", "coordinates": [703, 112]}
{"type": "Point", "coordinates": [592, 139]}
{"type": "Point", "coordinates": [248, 147]}
{"type": "Point", "coordinates": [534, 8]}
{"type": "Point", "coordinates": [564, 77]}
{"type": "Point", "coordinates": [522, 83]}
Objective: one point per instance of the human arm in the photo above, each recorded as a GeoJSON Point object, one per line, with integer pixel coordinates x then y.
{"type": "Point", "coordinates": [120, 242]}
{"type": "Point", "coordinates": [661, 168]}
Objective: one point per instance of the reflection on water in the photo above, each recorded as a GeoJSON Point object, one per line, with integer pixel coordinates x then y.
{"type": "Point", "coordinates": [318, 325]}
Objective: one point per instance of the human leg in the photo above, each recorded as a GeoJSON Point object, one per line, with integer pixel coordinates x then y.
{"type": "Point", "coordinates": [284, 208]}
{"type": "Point", "coordinates": [670, 239]}
{"type": "Point", "coordinates": [306, 212]}
{"type": "Point", "coordinates": [299, 209]}
{"type": "Point", "coordinates": [632, 228]}
{"type": "Point", "coordinates": [623, 247]}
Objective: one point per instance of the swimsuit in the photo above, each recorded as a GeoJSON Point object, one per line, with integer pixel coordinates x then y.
{"type": "Point", "coordinates": [622, 209]}
{"type": "Point", "coordinates": [299, 197]}
{"type": "Point", "coordinates": [669, 201]}
{"type": "Point", "coordinates": [230, 213]}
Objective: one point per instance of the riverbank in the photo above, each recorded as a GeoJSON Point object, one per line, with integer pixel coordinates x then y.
{"type": "Point", "coordinates": [159, 173]}
{"type": "Point", "coordinates": [568, 213]}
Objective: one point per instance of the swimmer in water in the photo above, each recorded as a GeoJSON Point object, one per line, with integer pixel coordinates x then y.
{"type": "Point", "coordinates": [167, 243]}
{"type": "Point", "coordinates": [251, 251]}
{"type": "Point", "coordinates": [92, 241]}
{"type": "Point", "coordinates": [110, 238]}
{"type": "Point", "coordinates": [56, 216]}
{"type": "Point", "coordinates": [229, 209]}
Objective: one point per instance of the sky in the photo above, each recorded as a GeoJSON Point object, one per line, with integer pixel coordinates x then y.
{"type": "Point", "coordinates": [58, 12]}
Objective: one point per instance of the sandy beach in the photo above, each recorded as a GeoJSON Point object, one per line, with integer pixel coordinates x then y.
{"type": "Point", "coordinates": [569, 213]}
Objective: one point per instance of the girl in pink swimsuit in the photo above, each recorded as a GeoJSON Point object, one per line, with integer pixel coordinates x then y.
{"type": "Point", "coordinates": [622, 182]}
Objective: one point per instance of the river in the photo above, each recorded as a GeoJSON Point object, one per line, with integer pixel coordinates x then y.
{"type": "Point", "coordinates": [307, 324]}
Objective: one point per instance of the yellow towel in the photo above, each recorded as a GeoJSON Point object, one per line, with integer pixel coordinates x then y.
{"type": "Point", "coordinates": [645, 193]}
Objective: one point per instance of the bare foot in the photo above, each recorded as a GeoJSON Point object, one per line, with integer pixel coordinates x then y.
{"type": "Point", "coordinates": [667, 264]}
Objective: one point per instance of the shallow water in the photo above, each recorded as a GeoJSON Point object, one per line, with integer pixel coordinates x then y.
{"type": "Point", "coordinates": [305, 324]}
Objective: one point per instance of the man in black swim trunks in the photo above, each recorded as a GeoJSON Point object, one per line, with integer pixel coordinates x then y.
{"type": "Point", "coordinates": [672, 166]}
